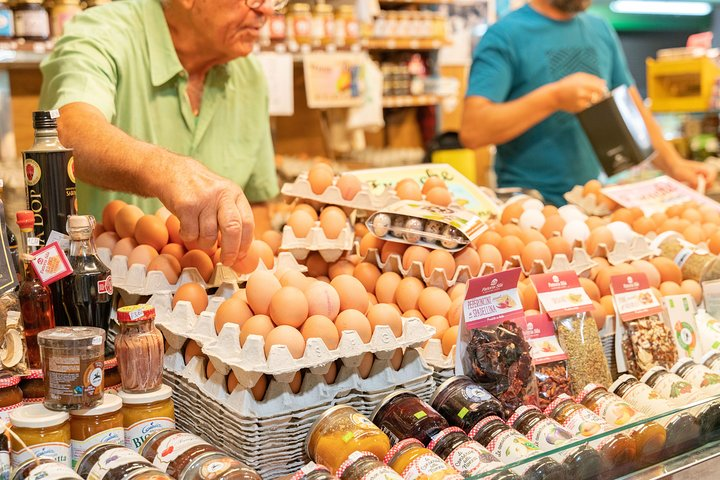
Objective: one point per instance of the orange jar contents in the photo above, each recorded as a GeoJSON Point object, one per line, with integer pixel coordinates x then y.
{"type": "Point", "coordinates": [100, 424]}
{"type": "Point", "coordinates": [11, 397]}
{"type": "Point", "coordinates": [340, 431]}
{"type": "Point", "coordinates": [413, 461]}
{"type": "Point", "coordinates": [300, 21]}
{"type": "Point", "coordinates": [364, 466]}
{"type": "Point", "coordinates": [45, 432]}
{"type": "Point", "coordinates": [145, 414]}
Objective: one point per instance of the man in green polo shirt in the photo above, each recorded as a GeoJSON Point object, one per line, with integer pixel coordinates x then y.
{"type": "Point", "coordinates": [161, 102]}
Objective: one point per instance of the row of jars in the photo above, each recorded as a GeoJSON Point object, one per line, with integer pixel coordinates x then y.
{"type": "Point", "coordinates": [36, 20]}
{"type": "Point", "coordinates": [410, 24]}
{"type": "Point", "coordinates": [319, 27]}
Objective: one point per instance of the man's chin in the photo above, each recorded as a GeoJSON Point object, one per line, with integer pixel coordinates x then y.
{"type": "Point", "coordinates": [571, 6]}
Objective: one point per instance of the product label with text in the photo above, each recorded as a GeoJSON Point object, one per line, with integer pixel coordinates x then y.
{"type": "Point", "coordinates": [136, 434]}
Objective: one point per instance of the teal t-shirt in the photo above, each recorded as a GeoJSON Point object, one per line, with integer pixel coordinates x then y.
{"type": "Point", "coordinates": [524, 51]}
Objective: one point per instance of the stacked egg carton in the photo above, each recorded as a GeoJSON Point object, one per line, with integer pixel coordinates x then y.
{"type": "Point", "coordinates": [589, 204]}
{"type": "Point", "coordinates": [365, 199]}
{"type": "Point", "coordinates": [317, 241]}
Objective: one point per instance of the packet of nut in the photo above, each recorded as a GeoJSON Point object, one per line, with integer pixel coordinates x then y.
{"type": "Point", "coordinates": [562, 297]}
{"type": "Point", "coordinates": [422, 223]}
{"type": "Point", "coordinates": [549, 358]}
{"type": "Point", "coordinates": [646, 339]}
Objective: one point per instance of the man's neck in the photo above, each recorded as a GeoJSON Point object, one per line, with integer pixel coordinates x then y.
{"type": "Point", "coordinates": [544, 8]}
{"type": "Point", "coordinates": [196, 60]}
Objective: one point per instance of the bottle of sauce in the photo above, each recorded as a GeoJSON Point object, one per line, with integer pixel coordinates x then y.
{"type": "Point", "coordinates": [35, 298]}
{"type": "Point", "coordinates": [413, 461]}
{"type": "Point", "coordinates": [31, 21]}
{"type": "Point", "coordinates": [402, 415]}
{"type": "Point", "coordinates": [62, 12]}
{"type": "Point", "coordinates": [7, 21]}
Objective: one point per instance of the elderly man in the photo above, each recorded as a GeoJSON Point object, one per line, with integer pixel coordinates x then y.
{"type": "Point", "coordinates": [160, 100]}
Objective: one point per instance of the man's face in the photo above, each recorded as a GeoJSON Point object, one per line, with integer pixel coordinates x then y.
{"type": "Point", "coordinates": [571, 6]}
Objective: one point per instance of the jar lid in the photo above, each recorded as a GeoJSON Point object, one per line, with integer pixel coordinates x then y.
{"type": "Point", "coordinates": [399, 446]}
{"type": "Point", "coordinates": [10, 381]}
{"type": "Point", "coordinates": [72, 337]}
{"type": "Point", "coordinates": [522, 410]}
{"type": "Point", "coordinates": [34, 375]}
{"type": "Point", "coordinates": [37, 416]}
{"type": "Point", "coordinates": [163, 393]}
{"type": "Point", "coordinates": [474, 431]}
{"type": "Point", "coordinates": [709, 355]}
{"type": "Point", "coordinates": [444, 385]}
{"type": "Point", "coordinates": [589, 388]}
{"type": "Point", "coordinates": [136, 313]}
{"type": "Point", "coordinates": [651, 372]}
{"type": "Point", "coordinates": [323, 416]}
{"type": "Point", "coordinates": [564, 397]}
{"type": "Point", "coordinates": [354, 457]}
{"type": "Point", "coordinates": [680, 364]}
{"type": "Point", "coordinates": [388, 399]}
{"type": "Point", "coordinates": [617, 386]}
{"type": "Point", "coordinates": [443, 434]}
{"type": "Point", "coordinates": [300, 7]}
{"type": "Point", "coordinates": [110, 404]}
{"type": "Point", "coordinates": [323, 8]}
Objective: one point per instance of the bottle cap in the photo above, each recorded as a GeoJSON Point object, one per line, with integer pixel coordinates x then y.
{"type": "Point", "coordinates": [25, 219]}
{"type": "Point", "coordinates": [135, 313]}
{"type": "Point", "coordinates": [45, 119]}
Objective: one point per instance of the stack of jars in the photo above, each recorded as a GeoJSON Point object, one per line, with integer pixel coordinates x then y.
{"type": "Point", "coordinates": [410, 24]}
{"type": "Point", "coordinates": [319, 27]}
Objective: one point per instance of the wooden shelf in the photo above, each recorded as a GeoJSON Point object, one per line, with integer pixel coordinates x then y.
{"type": "Point", "coordinates": [19, 54]}
{"type": "Point", "coordinates": [403, 44]}
{"type": "Point", "coordinates": [410, 101]}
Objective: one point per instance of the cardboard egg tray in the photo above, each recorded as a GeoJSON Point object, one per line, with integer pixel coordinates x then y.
{"type": "Point", "coordinates": [363, 200]}
{"type": "Point", "coordinates": [588, 204]}
{"type": "Point", "coordinates": [249, 361]}
{"type": "Point", "coordinates": [316, 241]}
{"type": "Point", "coordinates": [433, 354]}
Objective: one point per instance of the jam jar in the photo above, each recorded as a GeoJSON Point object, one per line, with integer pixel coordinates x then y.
{"type": "Point", "coordinates": [365, 465]}
{"type": "Point", "coordinates": [511, 446]}
{"type": "Point", "coordinates": [618, 451]}
{"type": "Point", "coordinates": [299, 22]}
{"type": "Point", "coordinates": [171, 451]}
{"type": "Point", "coordinates": [146, 413]}
{"type": "Point", "coordinates": [111, 461]}
{"type": "Point", "coordinates": [413, 461]}
{"type": "Point", "coordinates": [700, 376]}
{"type": "Point", "coordinates": [582, 462]}
{"type": "Point", "coordinates": [338, 432]}
{"type": "Point", "coordinates": [402, 414]}
{"type": "Point", "coordinates": [100, 424]}
{"type": "Point", "coordinates": [313, 471]}
{"type": "Point", "coordinates": [463, 403]}
{"type": "Point", "coordinates": [44, 468]}
{"type": "Point", "coordinates": [45, 432]}
{"type": "Point", "coordinates": [466, 455]}
{"type": "Point", "coordinates": [712, 360]}
{"type": "Point", "coordinates": [61, 13]}
{"type": "Point", "coordinates": [217, 466]}
{"type": "Point", "coordinates": [33, 387]}
{"type": "Point", "coordinates": [11, 397]}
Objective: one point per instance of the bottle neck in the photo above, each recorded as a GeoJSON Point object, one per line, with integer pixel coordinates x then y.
{"type": "Point", "coordinates": [28, 247]}
{"type": "Point", "coordinates": [84, 247]}
{"type": "Point", "coordinates": [47, 139]}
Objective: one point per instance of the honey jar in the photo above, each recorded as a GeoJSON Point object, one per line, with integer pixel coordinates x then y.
{"type": "Point", "coordinates": [413, 461]}
{"type": "Point", "coordinates": [299, 22]}
{"type": "Point", "coordinates": [323, 25]}
{"type": "Point", "coordinates": [402, 415]}
{"type": "Point", "coordinates": [11, 397]}
{"type": "Point", "coordinates": [45, 432]}
{"type": "Point", "coordinates": [100, 424]}
{"type": "Point", "coordinates": [145, 414]}
{"type": "Point", "coordinates": [61, 13]}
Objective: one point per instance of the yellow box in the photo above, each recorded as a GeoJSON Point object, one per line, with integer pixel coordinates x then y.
{"type": "Point", "coordinates": [462, 160]}
{"type": "Point", "coordinates": [683, 85]}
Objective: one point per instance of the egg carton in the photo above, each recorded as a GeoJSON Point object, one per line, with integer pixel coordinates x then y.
{"type": "Point", "coordinates": [433, 354]}
{"type": "Point", "coordinates": [588, 204]}
{"type": "Point", "coordinates": [363, 200]}
{"type": "Point", "coordinates": [316, 241]}
{"type": "Point", "coordinates": [581, 264]}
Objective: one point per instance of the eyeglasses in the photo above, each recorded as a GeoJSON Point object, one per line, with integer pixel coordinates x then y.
{"type": "Point", "coordinates": [257, 4]}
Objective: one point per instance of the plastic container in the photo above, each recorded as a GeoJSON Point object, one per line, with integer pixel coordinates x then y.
{"type": "Point", "coordinates": [139, 349]}
{"type": "Point", "coordinates": [111, 461]}
{"type": "Point", "coordinates": [146, 413]}
{"type": "Point", "coordinates": [100, 424]}
{"type": "Point", "coordinates": [45, 432]}
{"type": "Point", "coordinates": [464, 454]}
{"type": "Point", "coordinates": [172, 451]}
{"type": "Point", "coordinates": [365, 465]}
{"type": "Point", "coordinates": [413, 461]}
{"type": "Point", "coordinates": [72, 360]}
{"type": "Point", "coordinates": [402, 415]}
{"type": "Point", "coordinates": [463, 403]}
{"type": "Point", "coordinates": [11, 396]}
{"type": "Point", "coordinates": [45, 469]}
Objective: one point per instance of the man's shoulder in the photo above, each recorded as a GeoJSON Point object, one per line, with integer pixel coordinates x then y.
{"type": "Point", "coordinates": [595, 22]}
{"type": "Point", "coordinates": [246, 69]}
{"type": "Point", "coordinates": [116, 19]}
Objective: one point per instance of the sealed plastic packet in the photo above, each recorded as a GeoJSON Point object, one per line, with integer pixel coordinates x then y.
{"type": "Point", "coordinates": [709, 330]}
{"type": "Point", "coordinates": [549, 359]}
{"type": "Point", "coordinates": [681, 311]}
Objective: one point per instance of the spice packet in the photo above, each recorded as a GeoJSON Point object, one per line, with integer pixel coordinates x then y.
{"type": "Point", "coordinates": [492, 349]}
{"type": "Point", "coordinates": [422, 223]}
{"type": "Point", "coordinates": [549, 359]}
{"type": "Point", "coordinates": [566, 302]}
{"type": "Point", "coordinates": [681, 310]}
{"type": "Point", "coordinates": [708, 330]}
{"type": "Point", "coordinates": [647, 341]}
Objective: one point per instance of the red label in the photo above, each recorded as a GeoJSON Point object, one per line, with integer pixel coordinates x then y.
{"type": "Point", "coordinates": [50, 264]}
{"type": "Point", "coordinates": [493, 299]}
{"type": "Point", "coordinates": [540, 333]}
{"type": "Point", "coordinates": [561, 294]}
{"type": "Point", "coordinates": [632, 296]}
{"type": "Point", "coordinates": [105, 286]}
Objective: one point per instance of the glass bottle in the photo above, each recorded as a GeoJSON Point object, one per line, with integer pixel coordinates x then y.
{"type": "Point", "coordinates": [35, 298]}
{"type": "Point", "coordinates": [62, 12]}
{"type": "Point", "coordinates": [87, 293]}
{"type": "Point", "coordinates": [139, 349]}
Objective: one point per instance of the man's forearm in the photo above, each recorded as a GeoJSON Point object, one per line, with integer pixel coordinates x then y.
{"type": "Point", "coordinates": [667, 156]}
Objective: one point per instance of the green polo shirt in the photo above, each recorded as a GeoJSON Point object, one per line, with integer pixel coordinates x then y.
{"type": "Point", "coordinates": [120, 58]}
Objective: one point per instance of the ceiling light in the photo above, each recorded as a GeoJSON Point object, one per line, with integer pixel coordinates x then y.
{"type": "Point", "coordinates": [652, 7]}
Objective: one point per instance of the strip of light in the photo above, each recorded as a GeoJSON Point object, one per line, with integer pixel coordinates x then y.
{"type": "Point", "coordinates": [652, 7]}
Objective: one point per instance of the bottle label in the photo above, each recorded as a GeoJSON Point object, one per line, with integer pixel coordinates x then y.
{"type": "Point", "coordinates": [136, 434]}
{"type": "Point", "coordinates": [174, 446]}
{"type": "Point", "coordinates": [424, 466]}
{"type": "Point", "coordinates": [381, 473]}
{"type": "Point", "coordinates": [584, 423]}
{"type": "Point", "coordinates": [105, 286]}
{"type": "Point", "coordinates": [671, 386]}
{"type": "Point", "coordinates": [6, 23]}
{"type": "Point", "coordinates": [4, 465]}
{"type": "Point", "coordinates": [471, 458]}
{"type": "Point", "coordinates": [52, 471]}
{"type": "Point", "coordinates": [32, 23]}
{"type": "Point", "coordinates": [645, 399]}
{"type": "Point", "coordinates": [701, 377]}
{"type": "Point", "coordinates": [302, 28]}
{"type": "Point", "coordinates": [548, 434]}
{"type": "Point", "coordinates": [615, 411]}
{"type": "Point", "coordinates": [112, 435]}
{"type": "Point", "coordinates": [114, 458]}
{"type": "Point", "coordinates": [510, 446]}
{"type": "Point", "coordinates": [59, 452]}
{"type": "Point", "coordinates": [5, 413]}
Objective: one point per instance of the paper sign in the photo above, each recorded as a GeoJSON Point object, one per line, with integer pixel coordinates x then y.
{"type": "Point", "coordinates": [333, 80]}
{"type": "Point", "coordinates": [632, 297]}
{"type": "Point", "coordinates": [540, 334]}
{"type": "Point", "coordinates": [681, 312]}
{"type": "Point", "coordinates": [278, 69]}
{"type": "Point", "coordinates": [493, 299]}
{"type": "Point", "coordinates": [561, 294]}
{"type": "Point", "coordinates": [51, 264]}
{"type": "Point", "coordinates": [62, 239]}
{"type": "Point", "coordinates": [656, 195]}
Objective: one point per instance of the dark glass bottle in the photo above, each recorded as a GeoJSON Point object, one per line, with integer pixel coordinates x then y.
{"type": "Point", "coordinates": [87, 293]}
{"type": "Point", "coordinates": [36, 306]}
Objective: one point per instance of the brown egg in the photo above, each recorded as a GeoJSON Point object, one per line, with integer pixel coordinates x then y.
{"type": "Point", "coordinates": [644, 225]}
{"type": "Point", "coordinates": [341, 267]}
{"type": "Point", "coordinates": [360, 230]}
{"type": "Point", "coordinates": [449, 339]}
{"type": "Point", "coordinates": [293, 278]}
{"type": "Point", "coordinates": [331, 374]}
{"type": "Point", "coordinates": [332, 220]}
{"type": "Point", "coordinates": [386, 287]}
{"type": "Point", "coordinates": [232, 310]}
{"type": "Point", "coordinates": [599, 315]}
{"type": "Point", "coordinates": [288, 306]}
{"type": "Point", "coordinates": [241, 294]}
{"type": "Point", "coordinates": [658, 218]}
{"type": "Point", "coordinates": [694, 234]}
{"type": "Point", "coordinates": [258, 391]}
{"type": "Point", "coordinates": [199, 260]}
{"type": "Point", "coordinates": [368, 275]}
{"type": "Point", "coordinates": [553, 224]}
{"type": "Point", "coordinates": [510, 246]}
{"type": "Point", "coordinates": [413, 314]}
{"type": "Point", "coordinates": [714, 243]}
{"type": "Point", "coordinates": [622, 215]}
{"type": "Point", "coordinates": [372, 300]}
{"type": "Point", "coordinates": [356, 321]}
{"type": "Point", "coordinates": [692, 288]}
{"type": "Point", "coordinates": [488, 238]}
{"type": "Point", "coordinates": [455, 311]}
{"type": "Point", "coordinates": [168, 265]}
{"type": "Point", "coordinates": [193, 293]}
{"type": "Point", "coordinates": [600, 236]}
{"type": "Point", "coordinates": [469, 257]}
{"type": "Point", "coordinates": [440, 259]}
{"type": "Point", "coordinates": [510, 229]}
{"type": "Point", "coordinates": [528, 296]}
{"type": "Point", "coordinates": [192, 350]}
{"type": "Point", "coordinates": [273, 240]}
{"type": "Point", "coordinates": [301, 222]}
{"type": "Point", "coordinates": [432, 183]}
{"type": "Point", "coordinates": [107, 240]}
{"type": "Point", "coordinates": [490, 254]}
{"type": "Point", "coordinates": [126, 220]}
{"type": "Point", "coordinates": [669, 271]}
{"type": "Point", "coordinates": [288, 336]}
{"type": "Point", "coordinates": [414, 253]}
{"type": "Point", "coordinates": [349, 186]}
{"type": "Point", "coordinates": [396, 359]}
{"type": "Point", "coordinates": [534, 251]}
{"type": "Point", "coordinates": [366, 364]}
{"type": "Point", "coordinates": [440, 324]}
{"type": "Point", "coordinates": [560, 246]}
{"type": "Point", "coordinates": [670, 288]}
{"type": "Point", "coordinates": [304, 207]}
{"type": "Point", "coordinates": [173, 227]}
{"type": "Point", "coordinates": [649, 270]}
{"type": "Point", "coordinates": [258, 251]}
{"type": "Point", "coordinates": [174, 249]}
{"type": "Point", "coordinates": [110, 212]}
{"type": "Point", "coordinates": [354, 258]}
{"type": "Point", "coordinates": [608, 305]}
{"type": "Point", "coordinates": [710, 229]}
{"type": "Point", "coordinates": [434, 301]}
{"type": "Point", "coordinates": [590, 288]}
{"type": "Point", "coordinates": [531, 235]}
{"type": "Point", "coordinates": [209, 251]}
{"type": "Point", "coordinates": [320, 326]}
{"type": "Point", "coordinates": [296, 383]}
{"type": "Point", "coordinates": [384, 314]}
{"type": "Point", "coordinates": [408, 292]}
{"type": "Point", "coordinates": [98, 230]}
{"type": "Point", "coordinates": [143, 255]}
{"type": "Point", "coordinates": [595, 222]}
{"type": "Point", "coordinates": [320, 179]}
{"type": "Point", "coordinates": [392, 248]}
{"type": "Point", "coordinates": [512, 213]}
{"type": "Point", "coordinates": [256, 325]}
{"type": "Point", "coordinates": [408, 189]}
{"type": "Point", "coordinates": [150, 230]}
{"type": "Point", "coordinates": [692, 215]}
{"type": "Point", "coordinates": [232, 382]}
{"type": "Point", "coordinates": [351, 292]}
{"type": "Point", "coordinates": [439, 196]}
{"type": "Point", "coordinates": [322, 299]}
{"type": "Point", "coordinates": [260, 288]}
{"type": "Point", "coordinates": [592, 187]}
{"type": "Point", "coordinates": [370, 242]}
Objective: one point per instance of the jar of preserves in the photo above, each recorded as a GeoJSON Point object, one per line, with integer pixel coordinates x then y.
{"type": "Point", "coordinates": [31, 20]}
{"type": "Point", "coordinates": [699, 376]}
{"type": "Point", "coordinates": [62, 12]}
{"type": "Point", "coordinates": [413, 461]}
{"type": "Point", "coordinates": [582, 462]}
{"type": "Point", "coordinates": [33, 387]}
{"type": "Point", "coordinates": [217, 466]}
{"type": "Point", "coordinates": [511, 446]}
{"type": "Point", "coordinates": [365, 465]}
{"type": "Point", "coordinates": [172, 451]}
{"type": "Point", "coordinates": [277, 24]}
{"type": "Point", "coordinates": [11, 397]}
{"type": "Point", "coordinates": [463, 403]}
{"type": "Point", "coordinates": [139, 349]}
{"type": "Point", "coordinates": [7, 21]}
{"type": "Point", "coordinates": [100, 424]}
{"type": "Point", "coordinates": [618, 451]}
{"type": "Point", "coordinates": [112, 461]}
{"type": "Point", "coordinates": [323, 26]}
{"type": "Point", "coordinates": [402, 414]}
{"type": "Point", "coordinates": [347, 28]}
{"type": "Point", "coordinates": [146, 413]}
{"type": "Point", "coordinates": [113, 384]}
{"type": "Point", "coordinates": [45, 432]}
{"type": "Point", "coordinates": [313, 471]}
{"type": "Point", "coordinates": [299, 22]}
{"type": "Point", "coordinates": [340, 431]}
{"type": "Point", "coordinates": [712, 360]}
{"type": "Point", "coordinates": [464, 454]}
{"type": "Point", "coordinates": [44, 468]}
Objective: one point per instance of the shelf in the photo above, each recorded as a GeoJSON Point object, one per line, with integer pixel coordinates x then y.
{"type": "Point", "coordinates": [417, 2]}
{"type": "Point", "coordinates": [410, 101]}
{"type": "Point", "coordinates": [19, 54]}
{"type": "Point", "coordinates": [403, 44]}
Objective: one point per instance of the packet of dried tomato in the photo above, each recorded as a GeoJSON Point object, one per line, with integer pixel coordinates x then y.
{"type": "Point", "coordinates": [549, 359]}
{"type": "Point", "coordinates": [492, 349]}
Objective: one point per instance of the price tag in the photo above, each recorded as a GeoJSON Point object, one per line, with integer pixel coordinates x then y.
{"type": "Point", "coordinates": [51, 264]}
{"type": "Point", "coordinates": [62, 239]}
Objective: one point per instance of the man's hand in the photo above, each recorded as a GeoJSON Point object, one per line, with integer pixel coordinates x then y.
{"type": "Point", "coordinates": [205, 203]}
{"type": "Point", "coordinates": [578, 91]}
{"type": "Point", "coordinates": [688, 171]}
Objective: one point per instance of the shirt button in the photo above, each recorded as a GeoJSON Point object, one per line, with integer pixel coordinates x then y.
{"type": "Point", "coordinates": [183, 74]}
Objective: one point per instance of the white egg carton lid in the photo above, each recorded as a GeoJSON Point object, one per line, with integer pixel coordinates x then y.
{"type": "Point", "coordinates": [433, 354]}
{"type": "Point", "coordinates": [588, 204]}
{"type": "Point", "coordinates": [316, 241]}
{"type": "Point", "coordinates": [363, 200]}
{"type": "Point", "coordinates": [582, 263]}
{"type": "Point", "coordinates": [638, 248]}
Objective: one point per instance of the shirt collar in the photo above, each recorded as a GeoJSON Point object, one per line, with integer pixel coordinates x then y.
{"type": "Point", "coordinates": [164, 62]}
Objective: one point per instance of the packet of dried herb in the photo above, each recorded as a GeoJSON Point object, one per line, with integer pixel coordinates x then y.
{"type": "Point", "coordinates": [549, 358]}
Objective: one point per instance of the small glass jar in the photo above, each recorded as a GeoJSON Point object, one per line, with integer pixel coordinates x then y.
{"type": "Point", "coordinates": [699, 376]}
{"type": "Point", "coordinates": [313, 471]}
{"type": "Point", "coordinates": [113, 383]}
{"type": "Point", "coordinates": [139, 349]}
{"type": "Point", "coordinates": [402, 415]}
{"type": "Point", "coordinates": [277, 24]}
{"type": "Point", "coordinates": [11, 397]}
{"type": "Point", "coordinates": [172, 451]}
{"type": "Point", "coordinates": [464, 454]}
{"type": "Point", "coordinates": [7, 21]}
{"type": "Point", "coordinates": [45, 432]}
{"type": "Point", "coordinates": [365, 465]}
{"type": "Point", "coordinates": [112, 461]}
{"type": "Point", "coordinates": [100, 424]}
{"type": "Point", "coordinates": [463, 403]}
{"type": "Point", "coordinates": [323, 26]}
{"type": "Point", "coordinates": [299, 22]}
{"type": "Point", "coordinates": [712, 360]}
{"type": "Point", "coordinates": [413, 461]}
{"type": "Point", "coordinates": [44, 468]}
{"type": "Point", "coordinates": [33, 387]}
{"type": "Point", "coordinates": [217, 466]}
{"type": "Point", "coordinates": [145, 414]}
{"type": "Point", "coordinates": [62, 11]}
{"type": "Point", "coordinates": [31, 20]}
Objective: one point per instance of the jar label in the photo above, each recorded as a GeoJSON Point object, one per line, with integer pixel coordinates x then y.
{"type": "Point", "coordinates": [510, 446]}
{"type": "Point", "coordinates": [32, 23]}
{"type": "Point", "coordinates": [6, 24]}
{"type": "Point", "coordinates": [471, 458]}
{"type": "Point", "coordinates": [73, 379]}
{"type": "Point", "coordinates": [548, 434]}
{"type": "Point", "coordinates": [424, 466]}
{"type": "Point", "coordinates": [714, 363]}
{"type": "Point", "coordinates": [701, 377]}
{"type": "Point", "coordinates": [584, 423]}
{"type": "Point", "coordinates": [79, 447]}
{"type": "Point", "coordinates": [174, 446]}
{"type": "Point", "coordinates": [671, 386]}
{"type": "Point", "coordinates": [5, 413]}
{"type": "Point", "coordinates": [60, 452]}
{"type": "Point", "coordinates": [51, 471]}
{"type": "Point", "coordinates": [302, 28]}
{"type": "Point", "coordinates": [646, 399]}
{"type": "Point", "coordinates": [382, 473]}
{"type": "Point", "coordinates": [215, 468]}
{"type": "Point", "coordinates": [136, 433]}
{"type": "Point", "coordinates": [615, 411]}
{"type": "Point", "coordinates": [112, 459]}
{"type": "Point", "coordinates": [4, 465]}
{"type": "Point", "coordinates": [352, 29]}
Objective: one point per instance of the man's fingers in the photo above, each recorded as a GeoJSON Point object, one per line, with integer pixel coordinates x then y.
{"type": "Point", "coordinates": [248, 224]}
{"type": "Point", "coordinates": [208, 228]}
{"type": "Point", "coordinates": [189, 227]}
{"type": "Point", "coordinates": [231, 228]}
